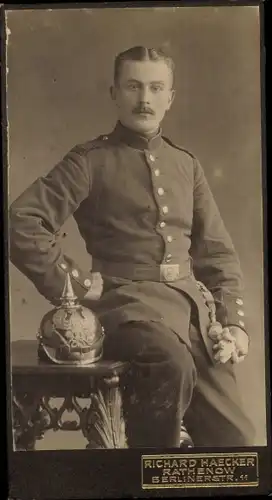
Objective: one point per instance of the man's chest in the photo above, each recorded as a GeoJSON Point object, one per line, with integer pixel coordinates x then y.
{"type": "Point", "coordinates": [143, 184]}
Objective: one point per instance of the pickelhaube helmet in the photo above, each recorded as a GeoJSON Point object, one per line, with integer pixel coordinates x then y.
{"type": "Point", "coordinates": [70, 334]}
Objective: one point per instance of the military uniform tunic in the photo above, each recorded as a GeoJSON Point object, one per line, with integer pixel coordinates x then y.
{"type": "Point", "coordinates": [150, 223]}
{"type": "Point", "coordinates": [153, 230]}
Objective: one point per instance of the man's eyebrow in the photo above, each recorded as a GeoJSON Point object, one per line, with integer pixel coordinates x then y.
{"type": "Point", "coordinates": [157, 82]}
{"type": "Point", "coordinates": [133, 80]}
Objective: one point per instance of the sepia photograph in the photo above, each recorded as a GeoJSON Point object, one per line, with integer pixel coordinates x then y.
{"type": "Point", "coordinates": [136, 228]}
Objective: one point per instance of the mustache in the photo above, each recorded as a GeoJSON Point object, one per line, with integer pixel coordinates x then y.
{"type": "Point", "coordinates": [143, 109]}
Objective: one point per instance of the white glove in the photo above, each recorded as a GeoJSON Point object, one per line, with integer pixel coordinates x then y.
{"type": "Point", "coordinates": [230, 343]}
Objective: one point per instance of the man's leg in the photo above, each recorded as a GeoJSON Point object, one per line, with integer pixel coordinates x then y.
{"type": "Point", "coordinates": [216, 416]}
{"type": "Point", "coordinates": [158, 388]}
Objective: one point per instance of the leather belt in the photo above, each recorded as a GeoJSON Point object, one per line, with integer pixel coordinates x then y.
{"type": "Point", "coordinates": [140, 272]}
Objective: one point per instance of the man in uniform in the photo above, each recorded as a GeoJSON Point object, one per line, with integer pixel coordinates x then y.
{"type": "Point", "coordinates": [152, 227]}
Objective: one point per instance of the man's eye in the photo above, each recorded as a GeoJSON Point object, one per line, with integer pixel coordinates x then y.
{"type": "Point", "coordinates": [132, 86]}
{"type": "Point", "coordinates": [156, 88]}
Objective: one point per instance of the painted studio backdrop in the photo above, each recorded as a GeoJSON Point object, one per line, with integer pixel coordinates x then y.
{"type": "Point", "coordinates": [60, 66]}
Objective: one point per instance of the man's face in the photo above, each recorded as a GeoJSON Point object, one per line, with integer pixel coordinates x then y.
{"type": "Point", "coordinates": [143, 94]}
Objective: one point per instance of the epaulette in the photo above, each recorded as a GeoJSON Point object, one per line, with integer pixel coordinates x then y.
{"type": "Point", "coordinates": [166, 139]}
{"type": "Point", "coordinates": [95, 143]}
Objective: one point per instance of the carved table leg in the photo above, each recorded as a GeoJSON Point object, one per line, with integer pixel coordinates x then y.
{"type": "Point", "coordinates": [103, 424]}
{"type": "Point", "coordinates": [27, 425]}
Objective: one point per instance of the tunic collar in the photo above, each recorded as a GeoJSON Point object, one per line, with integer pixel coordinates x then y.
{"type": "Point", "coordinates": [136, 140]}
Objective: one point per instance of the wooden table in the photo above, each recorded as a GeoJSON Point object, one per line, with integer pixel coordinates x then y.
{"type": "Point", "coordinates": [35, 384]}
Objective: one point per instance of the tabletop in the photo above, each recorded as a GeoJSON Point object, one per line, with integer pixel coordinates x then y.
{"type": "Point", "coordinates": [24, 360]}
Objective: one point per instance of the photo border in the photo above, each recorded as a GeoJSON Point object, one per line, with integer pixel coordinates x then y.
{"type": "Point", "coordinates": [101, 473]}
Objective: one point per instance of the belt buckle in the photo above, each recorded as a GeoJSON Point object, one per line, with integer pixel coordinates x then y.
{"type": "Point", "coordinates": [169, 272]}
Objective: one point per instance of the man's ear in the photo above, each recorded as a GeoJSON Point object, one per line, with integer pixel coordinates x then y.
{"type": "Point", "coordinates": [171, 98]}
{"type": "Point", "coordinates": [113, 92]}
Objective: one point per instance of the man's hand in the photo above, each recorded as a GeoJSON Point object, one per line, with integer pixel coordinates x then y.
{"type": "Point", "coordinates": [231, 343]}
{"type": "Point", "coordinates": [241, 343]}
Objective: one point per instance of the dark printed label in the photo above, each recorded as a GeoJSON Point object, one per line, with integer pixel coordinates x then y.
{"type": "Point", "coordinates": [200, 470]}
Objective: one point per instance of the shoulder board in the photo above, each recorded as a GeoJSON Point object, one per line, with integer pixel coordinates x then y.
{"type": "Point", "coordinates": [166, 139]}
{"type": "Point", "coordinates": [95, 143]}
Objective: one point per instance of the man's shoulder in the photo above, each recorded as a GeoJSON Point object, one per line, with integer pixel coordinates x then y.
{"type": "Point", "coordinates": [179, 147]}
{"type": "Point", "coordinates": [86, 147]}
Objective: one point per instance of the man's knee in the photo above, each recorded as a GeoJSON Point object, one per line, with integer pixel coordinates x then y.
{"type": "Point", "coordinates": [152, 342]}
{"type": "Point", "coordinates": [149, 344]}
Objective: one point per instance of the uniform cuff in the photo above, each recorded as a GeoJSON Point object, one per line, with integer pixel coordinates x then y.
{"type": "Point", "coordinates": [53, 283]}
{"type": "Point", "coordinates": [230, 311]}
{"type": "Point", "coordinates": [80, 280]}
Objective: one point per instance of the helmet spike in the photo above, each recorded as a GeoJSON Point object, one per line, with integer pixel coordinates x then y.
{"type": "Point", "coordinates": [68, 296]}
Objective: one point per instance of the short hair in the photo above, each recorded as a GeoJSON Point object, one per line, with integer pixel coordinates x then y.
{"type": "Point", "coordinates": [140, 53]}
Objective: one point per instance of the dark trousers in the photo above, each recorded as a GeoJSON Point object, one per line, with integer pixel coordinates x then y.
{"type": "Point", "coordinates": [167, 383]}
{"type": "Point", "coordinates": [158, 388]}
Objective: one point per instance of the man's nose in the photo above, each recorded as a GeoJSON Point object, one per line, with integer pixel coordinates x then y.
{"type": "Point", "coordinates": [145, 95]}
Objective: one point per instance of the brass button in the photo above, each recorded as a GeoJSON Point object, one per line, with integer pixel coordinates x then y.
{"type": "Point", "coordinates": [241, 323]}
{"type": "Point", "coordinates": [170, 238]}
{"type": "Point", "coordinates": [160, 191]}
{"type": "Point", "coordinates": [75, 273]}
{"type": "Point", "coordinates": [87, 283]}
{"type": "Point", "coordinates": [151, 157]}
{"type": "Point", "coordinates": [162, 224]}
{"type": "Point", "coordinates": [239, 302]}
{"type": "Point", "coordinates": [240, 313]}
{"type": "Point", "coordinates": [168, 257]}
{"type": "Point", "coordinates": [157, 172]}
{"type": "Point", "coordinates": [63, 266]}
{"type": "Point", "coordinates": [165, 209]}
